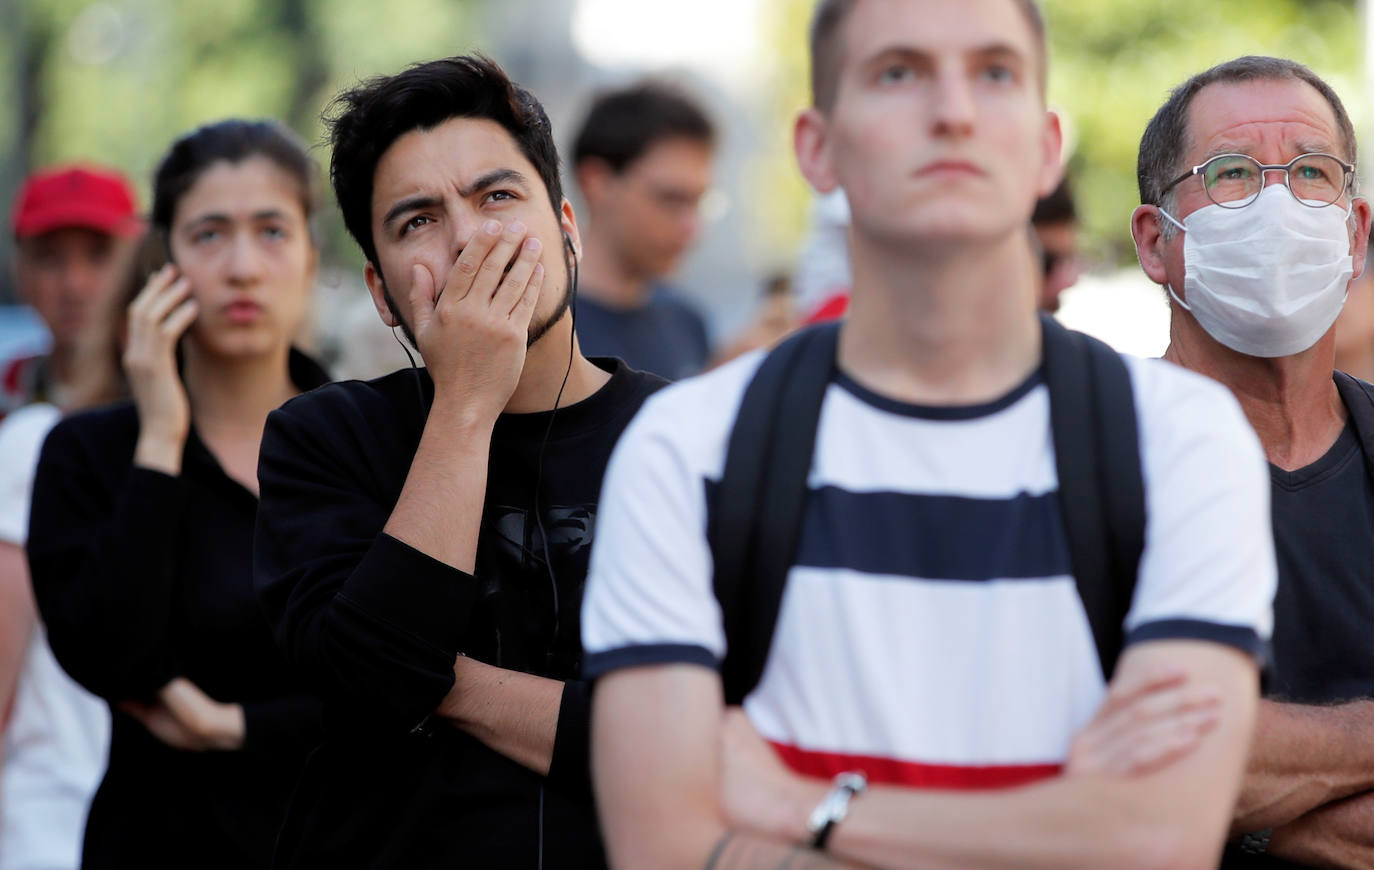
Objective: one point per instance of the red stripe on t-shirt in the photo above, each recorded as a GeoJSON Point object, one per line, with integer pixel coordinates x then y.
{"type": "Point", "coordinates": [913, 774]}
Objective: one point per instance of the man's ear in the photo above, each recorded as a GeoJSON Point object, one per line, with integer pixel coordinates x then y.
{"type": "Point", "coordinates": [811, 142]}
{"type": "Point", "coordinates": [1052, 164]}
{"type": "Point", "coordinates": [1149, 241]}
{"type": "Point", "coordinates": [1359, 229]}
{"type": "Point", "coordinates": [567, 219]}
{"type": "Point", "coordinates": [376, 287]}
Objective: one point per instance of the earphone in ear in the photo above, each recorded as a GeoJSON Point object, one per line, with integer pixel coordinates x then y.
{"type": "Point", "coordinates": [568, 243]}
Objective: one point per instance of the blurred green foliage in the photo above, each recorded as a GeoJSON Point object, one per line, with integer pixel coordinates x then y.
{"type": "Point", "coordinates": [1112, 64]}
{"type": "Point", "coordinates": [117, 80]}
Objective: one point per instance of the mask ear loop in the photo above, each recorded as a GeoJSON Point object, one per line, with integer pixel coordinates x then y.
{"type": "Point", "coordinates": [1173, 220]}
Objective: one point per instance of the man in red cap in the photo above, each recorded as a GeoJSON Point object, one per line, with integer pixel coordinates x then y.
{"type": "Point", "coordinates": [72, 230]}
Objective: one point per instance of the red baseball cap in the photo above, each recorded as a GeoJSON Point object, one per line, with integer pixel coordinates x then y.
{"type": "Point", "coordinates": [76, 196]}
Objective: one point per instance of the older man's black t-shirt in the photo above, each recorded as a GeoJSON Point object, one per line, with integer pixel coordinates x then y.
{"type": "Point", "coordinates": [1323, 643]}
{"type": "Point", "coordinates": [374, 626]}
{"type": "Point", "coordinates": [1324, 609]}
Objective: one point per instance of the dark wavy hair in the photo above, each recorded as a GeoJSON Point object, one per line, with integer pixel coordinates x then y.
{"type": "Point", "coordinates": [365, 120]}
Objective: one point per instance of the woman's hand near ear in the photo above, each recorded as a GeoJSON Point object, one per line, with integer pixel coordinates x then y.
{"type": "Point", "coordinates": [158, 317]}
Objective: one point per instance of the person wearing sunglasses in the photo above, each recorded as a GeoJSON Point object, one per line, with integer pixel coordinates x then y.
{"type": "Point", "coordinates": [1251, 221]}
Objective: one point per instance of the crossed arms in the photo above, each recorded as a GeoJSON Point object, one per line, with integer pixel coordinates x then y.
{"type": "Point", "coordinates": [1309, 778]}
{"type": "Point", "coordinates": [658, 734]}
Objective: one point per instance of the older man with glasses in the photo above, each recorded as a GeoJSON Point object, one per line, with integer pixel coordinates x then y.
{"type": "Point", "coordinates": [1252, 223]}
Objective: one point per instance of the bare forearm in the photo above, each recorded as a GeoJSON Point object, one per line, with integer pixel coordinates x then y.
{"type": "Point", "coordinates": [16, 618]}
{"type": "Point", "coordinates": [513, 713]}
{"type": "Point", "coordinates": [1175, 817]}
{"type": "Point", "coordinates": [1303, 757]}
{"type": "Point", "coordinates": [439, 512]}
{"type": "Point", "coordinates": [736, 851]}
{"type": "Point", "coordinates": [1062, 823]}
{"type": "Point", "coordinates": [1337, 835]}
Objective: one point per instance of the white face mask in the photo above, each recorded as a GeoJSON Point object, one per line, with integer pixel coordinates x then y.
{"type": "Point", "coordinates": [1268, 279]}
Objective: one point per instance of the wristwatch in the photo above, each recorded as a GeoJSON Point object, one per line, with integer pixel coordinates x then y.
{"type": "Point", "coordinates": [834, 807]}
{"type": "Point", "coordinates": [1256, 842]}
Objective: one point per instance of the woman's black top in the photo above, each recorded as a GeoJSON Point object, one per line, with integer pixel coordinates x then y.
{"type": "Point", "coordinates": [141, 577]}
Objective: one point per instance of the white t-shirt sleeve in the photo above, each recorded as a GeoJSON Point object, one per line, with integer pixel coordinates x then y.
{"type": "Point", "coordinates": [649, 597]}
{"type": "Point", "coordinates": [21, 439]}
{"type": "Point", "coordinates": [1208, 569]}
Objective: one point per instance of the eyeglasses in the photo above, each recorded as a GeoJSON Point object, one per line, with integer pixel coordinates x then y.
{"type": "Point", "coordinates": [1235, 180]}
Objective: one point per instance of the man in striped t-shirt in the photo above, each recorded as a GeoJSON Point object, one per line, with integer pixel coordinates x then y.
{"type": "Point", "coordinates": [930, 635]}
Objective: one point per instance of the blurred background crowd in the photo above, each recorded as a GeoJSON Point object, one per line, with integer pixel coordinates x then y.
{"type": "Point", "coordinates": [114, 81]}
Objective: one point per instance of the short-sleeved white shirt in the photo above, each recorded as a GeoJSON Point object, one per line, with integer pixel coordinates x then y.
{"type": "Point", "coordinates": [931, 632]}
{"type": "Point", "coordinates": [57, 738]}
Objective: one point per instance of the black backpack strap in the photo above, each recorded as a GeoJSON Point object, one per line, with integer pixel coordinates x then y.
{"type": "Point", "coordinates": [761, 497]}
{"type": "Point", "coordinates": [1358, 398]}
{"type": "Point", "coordinates": [1101, 488]}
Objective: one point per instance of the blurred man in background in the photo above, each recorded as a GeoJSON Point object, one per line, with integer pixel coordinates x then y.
{"type": "Point", "coordinates": [1055, 221]}
{"type": "Point", "coordinates": [73, 228]}
{"type": "Point", "coordinates": [823, 275]}
{"type": "Point", "coordinates": [775, 317]}
{"type": "Point", "coordinates": [643, 163]}
{"type": "Point", "coordinates": [1251, 220]}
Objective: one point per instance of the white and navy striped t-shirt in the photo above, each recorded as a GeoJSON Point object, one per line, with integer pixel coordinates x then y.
{"type": "Point", "coordinates": [931, 633]}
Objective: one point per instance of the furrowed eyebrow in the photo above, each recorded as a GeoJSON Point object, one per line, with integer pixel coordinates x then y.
{"type": "Point", "coordinates": [482, 182]}
{"type": "Point", "coordinates": [409, 204]}
{"type": "Point", "coordinates": [1305, 147]}
{"type": "Point", "coordinates": [493, 178]}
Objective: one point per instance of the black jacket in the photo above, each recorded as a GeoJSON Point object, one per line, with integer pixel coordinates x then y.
{"type": "Point", "coordinates": [141, 577]}
{"type": "Point", "coordinates": [375, 626]}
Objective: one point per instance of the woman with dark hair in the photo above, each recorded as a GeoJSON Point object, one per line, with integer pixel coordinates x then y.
{"type": "Point", "coordinates": [142, 521]}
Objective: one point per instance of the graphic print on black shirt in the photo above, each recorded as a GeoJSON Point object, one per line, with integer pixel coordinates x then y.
{"type": "Point", "coordinates": [538, 616]}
